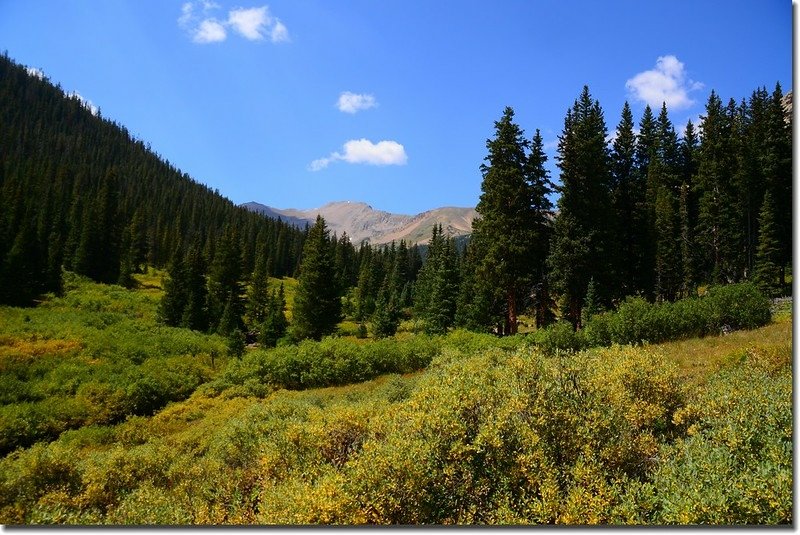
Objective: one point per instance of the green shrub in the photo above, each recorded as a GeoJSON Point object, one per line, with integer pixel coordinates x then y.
{"type": "Point", "coordinates": [737, 306]}
{"type": "Point", "coordinates": [723, 308]}
{"type": "Point", "coordinates": [559, 336]}
{"type": "Point", "coordinates": [735, 465]}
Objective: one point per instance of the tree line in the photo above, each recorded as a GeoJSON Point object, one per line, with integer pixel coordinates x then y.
{"type": "Point", "coordinates": [651, 214]}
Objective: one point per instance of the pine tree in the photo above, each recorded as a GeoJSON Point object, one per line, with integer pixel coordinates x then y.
{"type": "Point", "coordinates": [591, 306]}
{"type": "Point", "coordinates": [512, 230]}
{"type": "Point", "coordinates": [624, 202]}
{"type": "Point", "coordinates": [173, 302]}
{"type": "Point", "coordinates": [195, 312]}
{"type": "Point", "coordinates": [668, 265]}
{"type": "Point", "coordinates": [317, 304]}
{"type": "Point", "coordinates": [257, 297]}
{"type": "Point", "coordinates": [688, 210]}
{"type": "Point", "coordinates": [436, 288]}
{"type": "Point", "coordinates": [275, 325]}
{"type": "Point", "coordinates": [777, 165]}
{"type": "Point", "coordinates": [768, 257]}
{"type": "Point", "coordinates": [474, 304]}
{"type": "Point", "coordinates": [718, 230]}
{"type": "Point", "coordinates": [24, 271]}
{"type": "Point", "coordinates": [386, 318]}
{"type": "Point", "coordinates": [583, 245]}
{"type": "Point", "coordinates": [441, 311]}
{"type": "Point", "coordinates": [225, 285]}
{"type": "Point", "coordinates": [643, 267]}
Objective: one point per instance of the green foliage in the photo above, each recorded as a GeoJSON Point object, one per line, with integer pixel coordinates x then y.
{"type": "Point", "coordinates": [737, 454]}
{"type": "Point", "coordinates": [317, 304]}
{"type": "Point", "coordinates": [723, 309]}
{"type": "Point", "coordinates": [386, 318]}
{"type": "Point", "coordinates": [768, 255]}
{"type": "Point", "coordinates": [560, 336]}
{"type": "Point", "coordinates": [92, 358]}
{"type": "Point", "coordinates": [511, 235]}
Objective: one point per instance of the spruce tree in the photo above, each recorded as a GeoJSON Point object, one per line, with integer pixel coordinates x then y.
{"type": "Point", "coordinates": [667, 264]}
{"type": "Point", "coordinates": [257, 297]}
{"type": "Point", "coordinates": [643, 267]}
{"type": "Point", "coordinates": [386, 318]}
{"type": "Point", "coordinates": [173, 302]}
{"type": "Point", "coordinates": [624, 202]}
{"type": "Point", "coordinates": [275, 325]}
{"type": "Point", "coordinates": [718, 226]}
{"type": "Point", "coordinates": [688, 210]}
{"type": "Point", "coordinates": [195, 312]}
{"type": "Point", "coordinates": [317, 304]}
{"type": "Point", "coordinates": [583, 245]}
{"type": "Point", "coordinates": [512, 230]}
{"type": "Point", "coordinates": [767, 264]}
{"type": "Point", "coordinates": [225, 285]}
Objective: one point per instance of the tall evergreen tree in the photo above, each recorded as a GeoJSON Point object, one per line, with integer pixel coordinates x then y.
{"type": "Point", "coordinates": [768, 257]}
{"type": "Point", "coordinates": [624, 201]}
{"type": "Point", "coordinates": [688, 209]}
{"type": "Point", "coordinates": [275, 324]}
{"type": "Point", "coordinates": [195, 312]}
{"type": "Point", "coordinates": [718, 233]}
{"type": "Point", "coordinates": [317, 305]}
{"type": "Point", "coordinates": [174, 300]}
{"type": "Point", "coordinates": [386, 318]}
{"type": "Point", "coordinates": [225, 286]}
{"type": "Point", "coordinates": [257, 297]}
{"type": "Point", "coordinates": [512, 230]}
{"type": "Point", "coordinates": [583, 245]}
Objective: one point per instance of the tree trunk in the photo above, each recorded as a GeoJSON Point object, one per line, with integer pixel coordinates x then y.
{"type": "Point", "coordinates": [511, 314]}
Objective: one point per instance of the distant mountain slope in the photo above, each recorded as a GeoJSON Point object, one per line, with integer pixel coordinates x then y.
{"type": "Point", "coordinates": [362, 222]}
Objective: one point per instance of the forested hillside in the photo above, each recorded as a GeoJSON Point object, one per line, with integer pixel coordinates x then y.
{"type": "Point", "coordinates": [77, 189]}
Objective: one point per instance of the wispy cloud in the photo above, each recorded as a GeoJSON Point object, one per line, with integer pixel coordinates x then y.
{"type": "Point", "coordinates": [364, 151]}
{"type": "Point", "coordinates": [353, 102]}
{"type": "Point", "coordinates": [666, 83]}
{"type": "Point", "coordinates": [254, 24]}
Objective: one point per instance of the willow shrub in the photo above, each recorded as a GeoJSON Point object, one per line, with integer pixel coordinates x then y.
{"type": "Point", "coordinates": [735, 464]}
{"type": "Point", "coordinates": [493, 438]}
{"type": "Point", "coordinates": [339, 361]}
{"type": "Point", "coordinates": [636, 321]}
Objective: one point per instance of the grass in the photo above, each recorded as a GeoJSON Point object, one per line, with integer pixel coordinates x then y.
{"type": "Point", "coordinates": [697, 358]}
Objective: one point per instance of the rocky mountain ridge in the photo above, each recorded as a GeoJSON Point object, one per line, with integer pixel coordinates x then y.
{"type": "Point", "coordinates": [362, 222]}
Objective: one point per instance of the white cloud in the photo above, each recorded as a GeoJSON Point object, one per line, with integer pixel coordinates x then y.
{"type": "Point", "coordinates": [667, 82]}
{"type": "Point", "coordinates": [85, 102]}
{"type": "Point", "coordinates": [187, 13]}
{"type": "Point", "coordinates": [250, 23]}
{"type": "Point", "coordinates": [253, 23]}
{"type": "Point", "coordinates": [365, 151]}
{"type": "Point", "coordinates": [36, 73]}
{"type": "Point", "coordinates": [209, 31]}
{"type": "Point", "coordinates": [279, 33]}
{"type": "Point", "coordinates": [352, 102]}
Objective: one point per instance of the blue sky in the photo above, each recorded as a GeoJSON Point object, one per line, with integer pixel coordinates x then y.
{"type": "Point", "coordinates": [295, 103]}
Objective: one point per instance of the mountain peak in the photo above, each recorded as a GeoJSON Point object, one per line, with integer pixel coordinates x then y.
{"type": "Point", "coordinates": [362, 222]}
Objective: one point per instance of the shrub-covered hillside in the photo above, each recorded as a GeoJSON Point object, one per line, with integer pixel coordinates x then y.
{"type": "Point", "coordinates": [491, 431]}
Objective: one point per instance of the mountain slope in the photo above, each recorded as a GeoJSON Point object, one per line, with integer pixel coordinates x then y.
{"type": "Point", "coordinates": [362, 222]}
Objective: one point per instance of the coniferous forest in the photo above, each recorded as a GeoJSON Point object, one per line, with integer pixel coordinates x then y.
{"type": "Point", "coordinates": [167, 357]}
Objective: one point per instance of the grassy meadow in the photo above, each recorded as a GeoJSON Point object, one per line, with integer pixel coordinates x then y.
{"type": "Point", "coordinates": [109, 418]}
